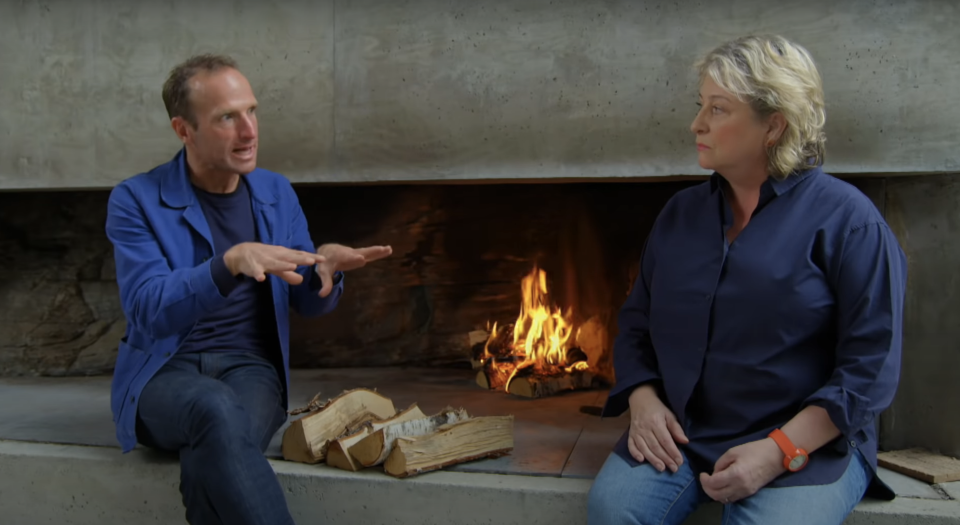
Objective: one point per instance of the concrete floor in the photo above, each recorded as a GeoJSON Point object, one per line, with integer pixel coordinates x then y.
{"type": "Point", "coordinates": [553, 436]}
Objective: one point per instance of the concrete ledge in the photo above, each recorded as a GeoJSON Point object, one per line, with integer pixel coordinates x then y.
{"type": "Point", "coordinates": [43, 483]}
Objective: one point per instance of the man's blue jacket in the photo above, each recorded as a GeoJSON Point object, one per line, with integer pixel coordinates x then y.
{"type": "Point", "coordinates": [163, 249]}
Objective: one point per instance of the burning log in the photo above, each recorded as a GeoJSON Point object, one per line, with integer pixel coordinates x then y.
{"type": "Point", "coordinates": [543, 386]}
{"type": "Point", "coordinates": [306, 439]}
{"type": "Point", "coordinates": [451, 444]}
{"type": "Point", "coordinates": [374, 449]}
{"type": "Point", "coordinates": [338, 452]}
{"type": "Point", "coordinates": [538, 355]}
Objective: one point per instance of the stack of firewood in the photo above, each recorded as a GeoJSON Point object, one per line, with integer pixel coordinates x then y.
{"type": "Point", "coordinates": [361, 428]}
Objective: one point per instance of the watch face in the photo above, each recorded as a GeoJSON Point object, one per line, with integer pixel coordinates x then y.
{"type": "Point", "coordinates": [797, 462]}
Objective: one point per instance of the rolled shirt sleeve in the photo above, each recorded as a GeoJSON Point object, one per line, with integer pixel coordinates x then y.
{"type": "Point", "coordinates": [869, 276]}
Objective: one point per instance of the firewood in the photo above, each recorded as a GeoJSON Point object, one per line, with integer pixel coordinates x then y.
{"type": "Point", "coordinates": [482, 380]}
{"type": "Point", "coordinates": [451, 444]}
{"type": "Point", "coordinates": [374, 449]}
{"type": "Point", "coordinates": [338, 451]}
{"type": "Point", "coordinates": [539, 386]}
{"type": "Point", "coordinates": [306, 439]}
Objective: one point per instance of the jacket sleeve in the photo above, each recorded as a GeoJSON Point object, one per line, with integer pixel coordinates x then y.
{"type": "Point", "coordinates": [634, 360]}
{"type": "Point", "coordinates": [869, 280]}
{"type": "Point", "coordinates": [158, 301]}
{"type": "Point", "coordinates": [305, 297]}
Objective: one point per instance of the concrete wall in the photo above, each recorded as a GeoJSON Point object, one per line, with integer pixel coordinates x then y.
{"type": "Point", "coordinates": [924, 213]}
{"type": "Point", "coordinates": [433, 89]}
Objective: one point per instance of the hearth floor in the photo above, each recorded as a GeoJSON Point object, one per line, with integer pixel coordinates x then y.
{"type": "Point", "coordinates": [556, 436]}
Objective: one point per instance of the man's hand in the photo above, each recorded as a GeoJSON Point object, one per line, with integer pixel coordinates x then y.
{"type": "Point", "coordinates": [339, 258]}
{"type": "Point", "coordinates": [743, 471]}
{"type": "Point", "coordinates": [654, 431]}
{"type": "Point", "coordinates": [256, 260]}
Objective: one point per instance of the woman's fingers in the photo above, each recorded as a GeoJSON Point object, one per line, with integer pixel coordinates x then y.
{"type": "Point", "coordinates": [634, 451]}
{"type": "Point", "coordinates": [673, 459]}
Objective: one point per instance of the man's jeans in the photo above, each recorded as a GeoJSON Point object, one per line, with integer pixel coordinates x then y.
{"type": "Point", "coordinates": [641, 495]}
{"type": "Point", "coordinates": [219, 411]}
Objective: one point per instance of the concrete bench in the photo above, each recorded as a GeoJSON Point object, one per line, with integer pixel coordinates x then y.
{"type": "Point", "coordinates": [81, 485]}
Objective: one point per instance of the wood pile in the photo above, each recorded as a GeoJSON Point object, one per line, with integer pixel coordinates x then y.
{"type": "Point", "coordinates": [361, 428]}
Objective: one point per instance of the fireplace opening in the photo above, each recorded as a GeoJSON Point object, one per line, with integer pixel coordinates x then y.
{"type": "Point", "coordinates": [520, 282]}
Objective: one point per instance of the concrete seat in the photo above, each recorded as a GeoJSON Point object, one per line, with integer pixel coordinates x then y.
{"type": "Point", "coordinates": [59, 463]}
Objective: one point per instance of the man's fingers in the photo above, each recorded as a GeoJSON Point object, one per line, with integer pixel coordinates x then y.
{"type": "Point", "coordinates": [327, 279]}
{"type": "Point", "coordinates": [258, 272]}
{"type": "Point", "coordinates": [291, 277]}
{"type": "Point", "coordinates": [669, 447]}
{"type": "Point", "coordinates": [373, 253]}
{"type": "Point", "coordinates": [300, 258]}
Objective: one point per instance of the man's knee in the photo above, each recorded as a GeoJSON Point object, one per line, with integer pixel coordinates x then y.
{"type": "Point", "coordinates": [217, 413]}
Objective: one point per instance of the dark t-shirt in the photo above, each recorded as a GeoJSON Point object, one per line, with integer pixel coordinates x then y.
{"type": "Point", "coordinates": [247, 323]}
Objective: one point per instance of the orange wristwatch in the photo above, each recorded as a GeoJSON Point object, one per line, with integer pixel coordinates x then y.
{"type": "Point", "coordinates": [794, 458]}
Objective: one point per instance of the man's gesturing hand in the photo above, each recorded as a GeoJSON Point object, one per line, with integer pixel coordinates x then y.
{"type": "Point", "coordinates": [256, 260]}
{"type": "Point", "coordinates": [654, 431]}
{"type": "Point", "coordinates": [339, 258]}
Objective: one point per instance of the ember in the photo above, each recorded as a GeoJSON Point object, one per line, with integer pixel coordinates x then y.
{"type": "Point", "coordinates": [538, 354]}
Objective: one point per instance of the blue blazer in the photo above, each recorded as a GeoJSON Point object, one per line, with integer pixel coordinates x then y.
{"type": "Point", "coordinates": [163, 249]}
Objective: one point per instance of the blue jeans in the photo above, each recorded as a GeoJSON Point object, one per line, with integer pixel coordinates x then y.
{"type": "Point", "coordinates": [641, 495]}
{"type": "Point", "coordinates": [219, 411]}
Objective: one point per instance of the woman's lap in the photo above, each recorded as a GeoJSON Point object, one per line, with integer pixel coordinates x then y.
{"type": "Point", "coordinates": [624, 495]}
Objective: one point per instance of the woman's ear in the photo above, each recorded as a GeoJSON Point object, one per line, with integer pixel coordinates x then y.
{"type": "Point", "coordinates": [776, 125]}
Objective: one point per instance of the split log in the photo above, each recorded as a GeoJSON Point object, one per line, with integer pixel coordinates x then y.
{"type": "Point", "coordinates": [338, 454]}
{"type": "Point", "coordinates": [541, 386]}
{"type": "Point", "coordinates": [459, 442]}
{"type": "Point", "coordinates": [306, 439]}
{"type": "Point", "coordinates": [482, 380]}
{"type": "Point", "coordinates": [374, 449]}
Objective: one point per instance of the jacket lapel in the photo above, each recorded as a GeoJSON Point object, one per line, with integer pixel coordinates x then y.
{"type": "Point", "coordinates": [176, 192]}
{"type": "Point", "coordinates": [264, 199]}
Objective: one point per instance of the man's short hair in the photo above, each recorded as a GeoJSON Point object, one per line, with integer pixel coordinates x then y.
{"type": "Point", "coordinates": [176, 90]}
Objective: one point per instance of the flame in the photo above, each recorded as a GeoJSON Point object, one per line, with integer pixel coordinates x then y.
{"type": "Point", "coordinates": [542, 336]}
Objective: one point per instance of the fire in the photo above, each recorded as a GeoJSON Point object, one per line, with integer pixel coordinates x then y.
{"type": "Point", "coordinates": [542, 338]}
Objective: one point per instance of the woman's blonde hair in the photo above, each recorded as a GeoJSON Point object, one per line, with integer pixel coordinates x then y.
{"type": "Point", "coordinates": [774, 75]}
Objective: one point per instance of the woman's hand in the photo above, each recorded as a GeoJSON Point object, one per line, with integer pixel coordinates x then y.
{"type": "Point", "coordinates": [743, 471]}
{"type": "Point", "coordinates": [654, 431]}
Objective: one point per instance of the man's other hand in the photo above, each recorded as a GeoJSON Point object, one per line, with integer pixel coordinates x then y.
{"type": "Point", "coordinates": [256, 260]}
{"type": "Point", "coordinates": [339, 258]}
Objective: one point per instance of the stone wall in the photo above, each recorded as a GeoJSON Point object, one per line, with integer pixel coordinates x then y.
{"type": "Point", "coordinates": [59, 306]}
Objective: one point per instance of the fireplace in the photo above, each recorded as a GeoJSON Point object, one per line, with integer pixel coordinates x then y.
{"type": "Point", "coordinates": [471, 263]}
{"type": "Point", "coordinates": [417, 327]}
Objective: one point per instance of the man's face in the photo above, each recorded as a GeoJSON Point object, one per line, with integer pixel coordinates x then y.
{"type": "Point", "coordinates": [224, 141]}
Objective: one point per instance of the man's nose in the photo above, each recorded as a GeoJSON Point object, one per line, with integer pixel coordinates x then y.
{"type": "Point", "coordinates": [248, 126]}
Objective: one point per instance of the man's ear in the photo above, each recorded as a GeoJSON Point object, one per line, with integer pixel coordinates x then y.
{"type": "Point", "coordinates": [182, 128]}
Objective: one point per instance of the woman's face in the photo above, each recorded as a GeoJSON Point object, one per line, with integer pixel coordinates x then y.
{"type": "Point", "coordinates": [731, 137]}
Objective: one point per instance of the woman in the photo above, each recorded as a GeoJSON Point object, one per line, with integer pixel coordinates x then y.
{"type": "Point", "coordinates": [761, 339]}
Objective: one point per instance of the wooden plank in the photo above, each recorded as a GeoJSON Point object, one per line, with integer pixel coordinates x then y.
{"type": "Point", "coordinates": [921, 464]}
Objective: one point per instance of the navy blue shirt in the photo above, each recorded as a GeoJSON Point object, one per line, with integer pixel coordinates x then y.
{"type": "Point", "coordinates": [804, 307]}
{"type": "Point", "coordinates": [247, 323]}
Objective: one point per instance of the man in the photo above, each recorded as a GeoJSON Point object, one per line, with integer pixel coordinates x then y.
{"type": "Point", "coordinates": [211, 254]}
